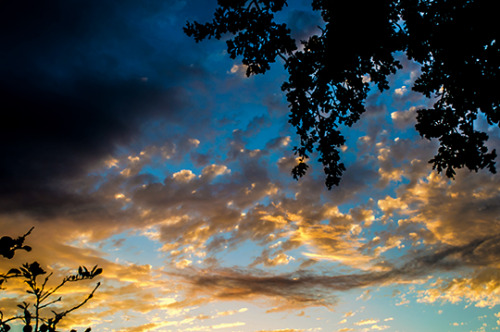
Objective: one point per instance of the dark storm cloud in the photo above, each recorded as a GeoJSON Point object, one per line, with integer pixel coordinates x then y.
{"type": "Point", "coordinates": [77, 80]}
{"type": "Point", "coordinates": [47, 137]}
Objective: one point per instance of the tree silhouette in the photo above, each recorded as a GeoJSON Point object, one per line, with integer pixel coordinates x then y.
{"type": "Point", "coordinates": [454, 41]}
{"type": "Point", "coordinates": [33, 315]}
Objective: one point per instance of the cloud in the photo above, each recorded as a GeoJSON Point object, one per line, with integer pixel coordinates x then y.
{"type": "Point", "coordinates": [367, 322]}
{"type": "Point", "coordinates": [143, 328]}
{"type": "Point", "coordinates": [305, 289]}
{"type": "Point", "coordinates": [405, 119]}
{"type": "Point", "coordinates": [184, 175]}
{"type": "Point", "coordinates": [96, 144]}
{"type": "Point", "coordinates": [121, 283]}
{"type": "Point", "coordinates": [282, 330]}
{"type": "Point", "coordinates": [280, 258]}
{"type": "Point", "coordinates": [53, 137]}
{"type": "Point", "coordinates": [376, 327]}
{"type": "Point", "coordinates": [287, 291]}
{"type": "Point", "coordinates": [349, 314]}
{"type": "Point", "coordinates": [401, 91]}
{"type": "Point", "coordinates": [336, 243]}
{"type": "Point", "coordinates": [205, 214]}
{"type": "Point", "coordinates": [481, 289]}
{"type": "Point", "coordinates": [278, 142]}
{"type": "Point", "coordinates": [76, 98]}
{"type": "Point", "coordinates": [452, 212]}
{"type": "Point", "coordinates": [214, 170]}
{"type": "Point", "coordinates": [227, 325]}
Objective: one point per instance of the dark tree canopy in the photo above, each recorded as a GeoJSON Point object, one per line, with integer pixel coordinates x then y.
{"type": "Point", "coordinates": [454, 41]}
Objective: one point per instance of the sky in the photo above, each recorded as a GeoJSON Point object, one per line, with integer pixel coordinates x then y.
{"type": "Point", "coordinates": [127, 145]}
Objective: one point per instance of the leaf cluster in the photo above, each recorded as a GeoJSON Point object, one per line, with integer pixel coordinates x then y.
{"type": "Point", "coordinates": [455, 42]}
{"type": "Point", "coordinates": [8, 245]}
{"type": "Point", "coordinates": [257, 37]}
{"type": "Point", "coordinates": [460, 58]}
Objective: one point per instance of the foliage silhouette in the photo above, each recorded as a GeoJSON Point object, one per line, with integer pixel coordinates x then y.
{"type": "Point", "coordinates": [454, 41]}
{"type": "Point", "coordinates": [32, 314]}
{"type": "Point", "coordinates": [8, 245]}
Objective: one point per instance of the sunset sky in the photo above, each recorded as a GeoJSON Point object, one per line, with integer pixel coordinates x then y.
{"type": "Point", "coordinates": [127, 145]}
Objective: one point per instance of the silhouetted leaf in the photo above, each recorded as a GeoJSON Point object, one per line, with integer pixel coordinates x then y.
{"type": "Point", "coordinates": [97, 272]}
{"type": "Point", "coordinates": [35, 269]}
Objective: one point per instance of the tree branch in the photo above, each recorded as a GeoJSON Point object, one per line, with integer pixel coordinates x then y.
{"type": "Point", "coordinates": [59, 316]}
